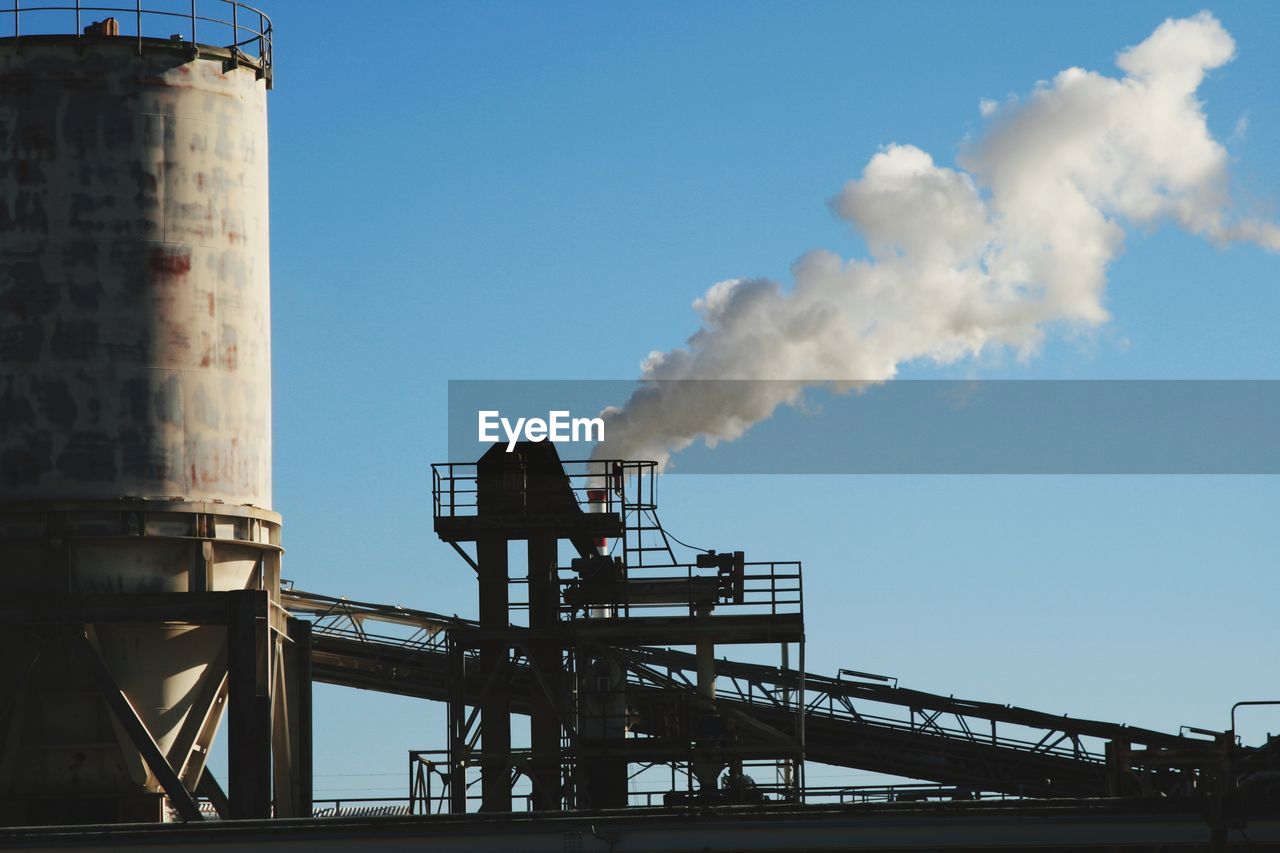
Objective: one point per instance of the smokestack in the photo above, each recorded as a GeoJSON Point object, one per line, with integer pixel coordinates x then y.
{"type": "Point", "coordinates": [596, 504]}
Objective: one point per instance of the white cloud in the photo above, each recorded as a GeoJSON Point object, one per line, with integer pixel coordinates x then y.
{"type": "Point", "coordinates": [1241, 129]}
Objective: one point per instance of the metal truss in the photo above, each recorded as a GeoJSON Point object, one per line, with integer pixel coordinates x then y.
{"type": "Point", "coordinates": [852, 721]}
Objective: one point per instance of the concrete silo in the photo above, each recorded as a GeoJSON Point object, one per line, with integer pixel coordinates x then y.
{"type": "Point", "coordinates": [138, 550]}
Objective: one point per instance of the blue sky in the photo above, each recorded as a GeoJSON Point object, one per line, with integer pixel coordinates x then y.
{"type": "Point", "coordinates": [511, 190]}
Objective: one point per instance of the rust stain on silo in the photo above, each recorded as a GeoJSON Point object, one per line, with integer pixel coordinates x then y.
{"type": "Point", "coordinates": [170, 262]}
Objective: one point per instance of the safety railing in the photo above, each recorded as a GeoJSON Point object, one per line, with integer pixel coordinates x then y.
{"type": "Point", "coordinates": [380, 624]}
{"type": "Point", "coordinates": [429, 784]}
{"type": "Point", "coordinates": [596, 485]}
{"type": "Point", "coordinates": [243, 30]}
{"type": "Point", "coordinates": [900, 793]}
{"type": "Point", "coordinates": [753, 792]}
{"type": "Point", "coordinates": [320, 807]}
{"type": "Point", "coordinates": [360, 807]}
{"type": "Point", "coordinates": [430, 780]}
{"type": "Point", "coordinates": [725, 587]}
{"type": "Point", "coordinates": [746, 789]}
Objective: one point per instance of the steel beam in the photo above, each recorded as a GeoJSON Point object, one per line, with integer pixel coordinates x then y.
{"type": "Point", "coordinates": [249, 723]}
{"type": "Point", "coordinates": [122, 709]}
{"type": "Point", "coordinates": [688, 630]}
{"type": "Point", "coordinates": [495, 703]}
{"type": "Point", "coordinates": [192, 608]}
{"type": "Point", "coordinates": [198, 728]}
{"type": "Point", "coordinates": [455, 695]}
{"type": "Point", "coordinates": [300, 680]}
{"type": "Point", "coordinates": [546, 666]}
{"type": "Point", "coordinates": [911, 828]}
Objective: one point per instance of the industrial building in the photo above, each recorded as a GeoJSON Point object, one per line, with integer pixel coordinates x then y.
{"type": "Point", "coordinates": [142, 563]}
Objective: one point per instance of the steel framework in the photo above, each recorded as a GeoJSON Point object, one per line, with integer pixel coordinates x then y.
{"type": "Point", "coordinates": [594, 669]}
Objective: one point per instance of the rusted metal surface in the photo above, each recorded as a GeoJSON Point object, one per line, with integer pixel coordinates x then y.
{"type": "Point", "coordinates": [134, 281]}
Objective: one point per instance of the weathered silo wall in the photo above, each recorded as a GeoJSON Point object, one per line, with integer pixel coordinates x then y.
{"type": "Point", "coordinates": [135, 420]}
{"type": "Point", "coordinates": [135, 355]}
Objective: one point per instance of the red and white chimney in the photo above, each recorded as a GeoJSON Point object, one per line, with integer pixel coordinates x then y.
{"type": "Point", "coordinates": [596, 499]}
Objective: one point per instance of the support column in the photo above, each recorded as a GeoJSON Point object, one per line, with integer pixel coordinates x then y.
{"type": "Point", "coordinates": [544, 657]}
{"type": "Point", "coordinates": [293, 783]}
{"type": "Point", "coordinates": [495, 669]}
{"type": "Point", "coordinates": [706, 652]}
{"type": "Point", "coordinates": [457, 713]}
{"type": "Point", "coordinates": [707, 772]}
{"type": "Point", "coordinates": [602, 683]}
{"type": "Point", "coordinates": [249, 714]}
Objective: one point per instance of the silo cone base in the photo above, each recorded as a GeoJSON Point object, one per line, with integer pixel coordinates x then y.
{"type": "Point", "coordinates": [63, 758]}
{"type": "Point", "coordinates": [66, 758]}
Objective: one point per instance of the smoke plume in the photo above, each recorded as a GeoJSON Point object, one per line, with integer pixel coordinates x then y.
{"type": "Point", "coordinates": [960, 260]}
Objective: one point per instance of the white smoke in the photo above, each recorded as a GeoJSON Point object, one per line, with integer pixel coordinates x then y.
{"type": "Point", "coordinates": [961, 261]}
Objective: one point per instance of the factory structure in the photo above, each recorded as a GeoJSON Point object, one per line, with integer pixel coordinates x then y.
{"type": "Point", "coordinates": [144, 613]}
